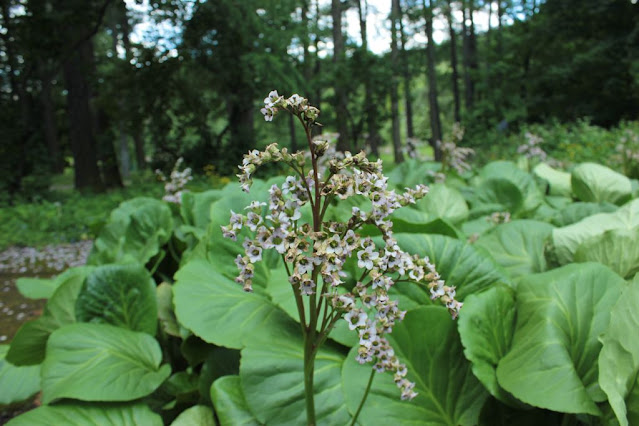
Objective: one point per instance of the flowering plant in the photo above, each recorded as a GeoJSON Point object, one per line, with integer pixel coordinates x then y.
{"type": "Point", "coordinates": [314, 253]}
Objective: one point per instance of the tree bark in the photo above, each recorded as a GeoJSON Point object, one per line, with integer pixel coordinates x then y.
{"type": "Point", "coordinates": [370, 108]}
{"type": "Point", "coordinates": [341, 101]}
{"type": "Point", "coordinates": [125, 160]}
{"type": "Point", "coordinates": [50, 128]}
{"type": "Point", "coordinates": [407, 77]}
{"type": "Point", "coordinates": [453, 62]}
{"type": "Point", "coordinates": [397, 143]}
{"type": "Point", "coordinates": [435, 122]}
{"type": "Point", "coordinates": [81, 137]}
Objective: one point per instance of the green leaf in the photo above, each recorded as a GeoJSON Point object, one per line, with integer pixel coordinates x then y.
{"type": "Point", "coordinates": [78, 414]}
{"type": "Point", "coordinates": [518, 246]}
{"type": "Point", "coordinates": [120, 295]}
{"type": "Point", "coordinates": [619, 357]}
{"type": "Point", "coordinates": [617, 249]}
{"type": "Point", "coordinates": [486, 328]}
{"type": "Point", "coordinates": [552, 363]}
{"type": "Point", "coordinates": [498, 195]}
{"type": "Point", "coordinates": [216, 309]}
{"type": "Point", "coordinates": [29, 344]}
{"type": "Point", "coordinates": [575, 212]}
{"type": "Point", "coordinates": [459, 264]}
{"type": "Point", "coordinates": [597, 183]}
{"type": "Point", "coordinates": [99, 362]}
{"type": "Point", "coordinates": [448, 393]}
{"type": "Point", "coordinates": [198, 415]}
{"type": "Point", "coordinates": [412, 172]}
{"type": "Point", "coordinates": [168, 321]}
{"type": "Point", "coordinates": [566, 240]}
{"type": "Point", "coordinates": [558, 181]}
{"type": "Point", "coordinates": [136, 231]}
{"type": "Point", "coordinates": [443, 202]}
{"type": "Point", "coordinates": [36, 288]}
{"type": "Point", "coordinates": [17, 383]}
{"type": "Point", "coordinates": [272, 379]}
{"type": "Point", "coordinates": [230, 403]}
{"type": "Point", "coordinates": [196, 207]}
{"type": "Point", "coordinates": [507, 171]}
{"type": "Point", "coordinates": [220, 362]}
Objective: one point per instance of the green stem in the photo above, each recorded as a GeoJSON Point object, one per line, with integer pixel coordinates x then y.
{"type": "Point", "coordinates": [309, 372]}
{"type": "Point", "coordinates": [361, 404]}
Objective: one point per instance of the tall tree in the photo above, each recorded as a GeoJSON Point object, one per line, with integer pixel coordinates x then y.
{"type": "Point", "coordinates": [339, 63]}
{"type": "Point", "coordinates": [370, 108]}
{"type": "Point", "coordinates": [397, 143]}
{"type": "Point", "coordinates": [408, 102]}
{"type": "Point", "coordinates": [453, 61]}
{"type": "Point", "coordinates": [433, 102]}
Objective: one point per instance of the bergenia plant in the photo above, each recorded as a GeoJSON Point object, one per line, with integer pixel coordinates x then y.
{"type": "Point", "coordinates": [174, 186]}
{"type": "Point", "coordinates": [314, 253]}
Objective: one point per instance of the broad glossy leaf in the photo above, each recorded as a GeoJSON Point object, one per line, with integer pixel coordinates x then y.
{"type": "Point", "coordinates": [220, 362]}
{"type": "Point", "coordinates": [196, 207]}
{"type": "Point", "coordinates": [566, 240]}
{"type": "Point", "coordinates": [99, 362]}
{"type": "Point", "coordinates": [552, 363]}
{"type": "Point", "coordinates": [412, 172]}
{"type": "Point", "coordinates": [459, 263]}
{"type": "Point", "coordinates": [575, 212]}
{"type": "Point", "coordinates": [230, 404]}
{"type": "Point", "coordinates": [17, 383]}
{"type": "Point", "coordinates": [136, 231]}
{"type": "Point", "coordinates": [198, 415]}
{"type": "Point", "coordinates": [120, 295]}
{"type": "Point", "coordinates": [558, 181]}
{"type": "Point", "coordinates": [216, 309]}
{"type": "Point", "coordinates": [448, 393]}
{"type": "Point", "coordinates": [518, 246]}
{"type": "Point", "coordinates": [29, 344]}
{"type": "Point", "coordinates": [617, 249]}
{"type": "Point", "coordinates": [498, 195]}
{"type": "Point", "coordinates": [486, 328]}
{"type": "Point", "coordinates": [619, 357]}
{"type": "Point", "coordinates": [166, 316]}
{"type": "Point", "coordinates": [273, 382]}
{"type": "Point", "coordinates": [596, 183]}
{"type": "Point", "coordinates": [415, 222]}
{"type": "Point", "coordinates": [443, 202]}
{"type": "Point", "coordinates": [508, 171]}
{"type": "Point", "coordinates": [96, 414]}
{"type": "Point", "coordinates": [36, 288]}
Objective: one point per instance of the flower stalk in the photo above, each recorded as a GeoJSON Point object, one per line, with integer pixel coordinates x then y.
{"type": "Point", "coordinates": [314, 253]}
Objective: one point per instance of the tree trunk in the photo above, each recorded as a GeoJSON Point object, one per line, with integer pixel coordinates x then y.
{"type": "Point", "coordinates": [370, 108]}
{"type": "Point", "coordinates": [241, 127]}
{"type": "Point", "coordinates": [125, 160]}
{"type": "Point", "coordinates": [397, 143]}
{"type": "Point", "coordinates": [317, 99]}
{"type": "Point", "coordinates": [81, 137]}
{"type": "Point", "coordinates": [435, 123]}
{"type": "Point", "coordinates": [468, 90]}
{"type": "Point", "coordinates": [341, 101]}
{"type": "Point", "coordinates": [500, 36]}
{"type": "Point", "coordinates": [140, 158]}
{"type": "Point", "coordinates": [453, 62]}
{"type": "Point", "coordinates": [49, 126]}
{"type": "Point", "coordinates": [407, 77]}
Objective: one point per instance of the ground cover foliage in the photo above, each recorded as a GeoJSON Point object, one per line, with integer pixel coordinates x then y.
{"type": "Point", "coordinates": [155, 330]}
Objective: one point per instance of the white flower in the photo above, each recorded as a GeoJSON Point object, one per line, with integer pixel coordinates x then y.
{"type": "Point", "coordinates": [355, 319]}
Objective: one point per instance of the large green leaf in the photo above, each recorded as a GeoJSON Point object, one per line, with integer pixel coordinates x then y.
{"type": "Point", "coordinates": [36, 288]}
{"type": "Point", "coordinates": [617, 249]}
{"type": "Point", "coordinates": [196, 207]}
{"type": "Point", "coordinates": [552, 363]}
{"type": "Point", "coordinates": [272, 380]}
{"type": "Point", "coordinates": [448, 393]}
{"type": "Point", "coordinates": [80, 414]}
{"type": "Point", "coordinates": [216, 308]}
{"type": "Point", "coordinates": [566, 240]}
{"type": "Point", "coordinates": [412, 172]}
{"type": "Point", "coordinates": [619, 357]}
{"type": "Point", "coordinates": [525, 183]}
{"type": "Point", "coordinates": [100, 362]}
{"type": "Point", "coordinates": [230, 403]}
{"type": "Point", "coordinates": [443, 202]}
{"type": "Point", "coordinates": [17, 383]}
{"type": "Point", "coordinates": [518, 246]}
{"type": "Point", "coordinates": [460, 264]}
{"type": "Point", "coordinates": [495, 195]}
{"type": "Point", "coordinates": [558, 182]}
{"type": "Point", "coordinates": [29, 344]}
{"type": "Point", "coordinates": [198, 415]}
{"type": "Point", "coordinates": [136, 231]}
{"type": "Point", "coordinates": [575, 212]}
{"type": "Point", "coordinates": [120, 295]}
{"type": "Point", "coordinates": [486, 329]}
{"type": "Point", "coordinates": [597, 183]}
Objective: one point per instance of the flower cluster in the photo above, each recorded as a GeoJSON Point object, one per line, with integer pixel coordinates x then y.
{"type": "Point", "coordinates": [454, 156]}
{"type": "Point", "coordinates": [532, 148]}
{"type": "Point", "coordinates": [499, 217]}
{"type": "Point", "coordinates": [315, 253]}
{"type": "Point", "coordinates": [174, 186]}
